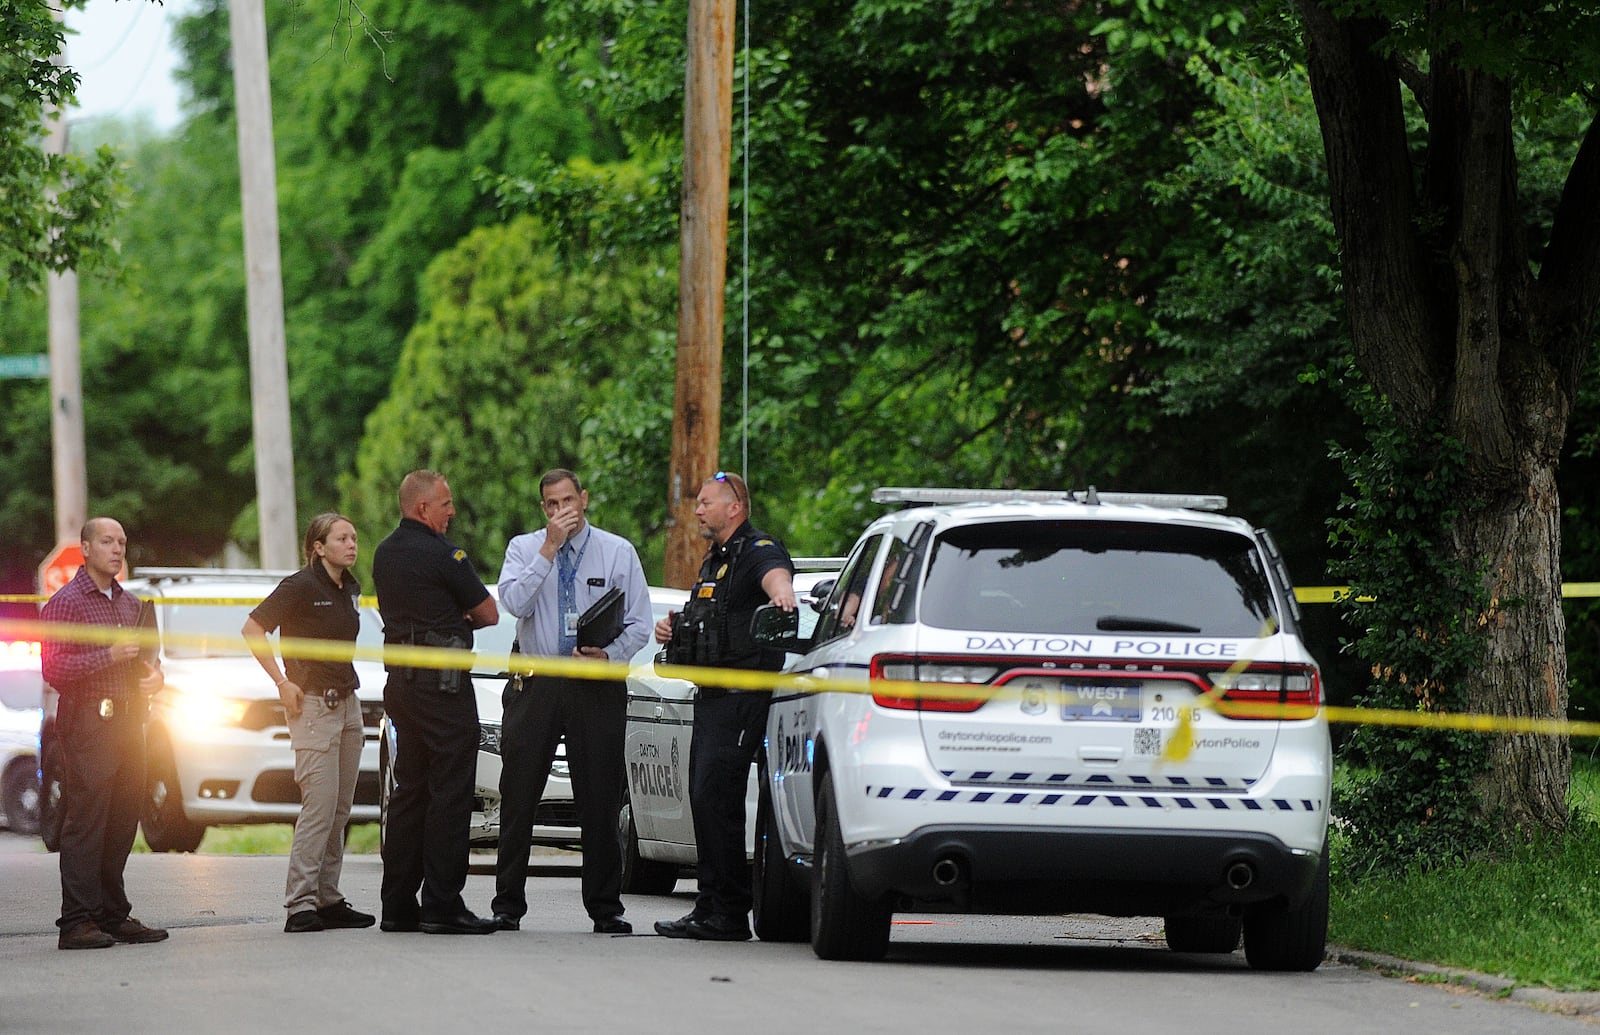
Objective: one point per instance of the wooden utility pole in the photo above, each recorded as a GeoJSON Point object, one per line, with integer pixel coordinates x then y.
{"type": "Point", "coordinates": [702, 268]}
{"type": "Point", "coordinates": [269, 366]}
{"type": "Point", "coordinates": [70, 472]}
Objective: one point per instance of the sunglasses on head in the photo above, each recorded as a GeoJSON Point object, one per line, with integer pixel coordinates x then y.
{"type": "Point", "coordinates": [723, 477]}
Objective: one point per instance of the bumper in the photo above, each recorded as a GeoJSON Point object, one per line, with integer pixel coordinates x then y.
{"type": "Point", "coordinates": [1112, 871]}
{"type": "Point", "coordinates": [555, 822]}
{"type": "Point", "coordinates": [248, 777]}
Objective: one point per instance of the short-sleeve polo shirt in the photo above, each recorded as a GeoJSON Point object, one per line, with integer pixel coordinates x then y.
{"type": "Point", "coordinates": [425, 583]}
{"type": "Point", "coordinates": [307, 605]}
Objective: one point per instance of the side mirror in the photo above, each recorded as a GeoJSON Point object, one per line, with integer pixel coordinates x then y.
{"type": "Point", "coordinates": [818, 597]}
{"type": "Point", "coordinates": [773, 627]}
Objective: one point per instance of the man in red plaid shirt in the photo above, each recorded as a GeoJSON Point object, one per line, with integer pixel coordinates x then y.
{"type": "Point", "coordinates": [103, 685]}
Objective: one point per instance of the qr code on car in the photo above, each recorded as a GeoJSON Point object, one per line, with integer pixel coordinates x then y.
{"type": "Point", "coordinates": [1146, 742]}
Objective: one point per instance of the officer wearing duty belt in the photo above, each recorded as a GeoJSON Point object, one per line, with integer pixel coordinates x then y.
{"type": "Point", "coordinates": [429, 596]}
{"type": "Point", "coordinates": [744, 569]}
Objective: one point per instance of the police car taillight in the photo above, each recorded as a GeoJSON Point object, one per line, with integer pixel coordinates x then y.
{"type": "Point", "coordinates": [942, 678]}
{"type": "Point", "coordinates": [1265, 691]}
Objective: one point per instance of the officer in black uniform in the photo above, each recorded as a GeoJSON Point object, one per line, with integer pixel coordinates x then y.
{"type": "Point", "coordinates": [744, 569]}
{"type": "Point", "coordinates": [429, 596]}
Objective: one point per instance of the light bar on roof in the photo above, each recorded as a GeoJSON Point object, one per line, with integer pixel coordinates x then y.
{"type": "Point", "coordinates": [931, 495]}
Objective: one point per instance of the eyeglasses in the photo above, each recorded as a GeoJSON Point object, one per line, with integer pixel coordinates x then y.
{"type": "Point", "coordinates": [727, 479]}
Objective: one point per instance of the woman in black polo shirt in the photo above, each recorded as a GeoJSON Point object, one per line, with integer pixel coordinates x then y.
{"type": "Point", "coordinates": [317, 602]}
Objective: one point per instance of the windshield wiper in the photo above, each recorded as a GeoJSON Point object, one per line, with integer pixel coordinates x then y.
{"type": "Point", "coordinates": [1134, 623]}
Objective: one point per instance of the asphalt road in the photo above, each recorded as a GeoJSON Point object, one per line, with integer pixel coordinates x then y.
{"type": "Point", "coordinates": [229, 967]}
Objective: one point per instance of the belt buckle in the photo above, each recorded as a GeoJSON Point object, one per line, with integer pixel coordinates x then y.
{"type": "Point", "coordinates": [330, 697]}
{"type": "Point", "coordinates": [108, 707]}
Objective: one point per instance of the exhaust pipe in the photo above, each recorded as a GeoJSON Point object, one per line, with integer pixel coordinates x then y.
{"type": "Point", "coordinates": [1240, 875]}
{"type": "Point", "coordinates": [947, 871]}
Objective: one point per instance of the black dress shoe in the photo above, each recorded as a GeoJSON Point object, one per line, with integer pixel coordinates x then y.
{"type": "Point", "coordinates": [464, 922]}
{"type": "Point", "coordinates": [343, 916]}
{"type": "Point", "coordinates": [398, 926]}
{"type": "Point", "coordinates": [678, 928]}
{"type": "Point", "coordinates": [303, 921]}
{"type": "Point", "coordinates": [507, 922]}
{"type": "Point", "coordinates": [612, 925]}
{"type": "Point", "coordinates": [718, 928]}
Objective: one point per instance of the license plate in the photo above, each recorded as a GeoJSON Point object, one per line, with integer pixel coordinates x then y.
{"type": "Point", "coordinates": [1086, 702]}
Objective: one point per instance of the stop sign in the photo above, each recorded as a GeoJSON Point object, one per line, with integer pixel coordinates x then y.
{"type": "Point", "coordinates": [58, 568]}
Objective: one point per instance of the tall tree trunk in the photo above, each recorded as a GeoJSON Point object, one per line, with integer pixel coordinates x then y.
{"type": "Point", "coordinates": [1524, 673]}
{"type": "Point", "coordinates": [1452, 324]}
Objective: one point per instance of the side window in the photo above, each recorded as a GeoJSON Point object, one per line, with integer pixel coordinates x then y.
{"type": "Point", "coordinates": [889, 603]}
{"type": "Point", "coordinates": [844, 604]}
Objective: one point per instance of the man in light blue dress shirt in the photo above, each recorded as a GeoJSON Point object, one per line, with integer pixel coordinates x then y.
{"type": "Point", "coordinates": [549, 578]}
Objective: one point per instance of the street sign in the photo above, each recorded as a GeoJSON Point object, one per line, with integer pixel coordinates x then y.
{"type": "Point", "coordinates": [24, 367]}
{"type": "Point", "coordinates": [59, 568]}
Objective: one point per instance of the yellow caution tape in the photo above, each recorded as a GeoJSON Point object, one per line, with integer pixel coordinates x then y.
{"type": "Point", "coordinates": [1304, 594]}
{"type": "Point", "coordinates": [401, 655]}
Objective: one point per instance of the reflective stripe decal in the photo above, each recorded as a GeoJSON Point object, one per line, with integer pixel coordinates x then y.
{"type": "Point", "coordinates": [1098, 779]}
{"type": "Point", "coordinates": [1096, 800]}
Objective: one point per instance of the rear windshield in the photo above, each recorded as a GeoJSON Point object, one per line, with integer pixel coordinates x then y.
{"type": "Point", "coordinates": [1080, 577]}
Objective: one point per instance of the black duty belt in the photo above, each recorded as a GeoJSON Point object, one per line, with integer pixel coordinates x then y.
{"type": "Point", "coordinates": [107, 706]}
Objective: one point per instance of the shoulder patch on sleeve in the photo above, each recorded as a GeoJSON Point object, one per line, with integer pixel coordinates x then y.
{"type": "Point", "coordinates": [764, 542]}
{"type": "Point", "coordinates": [459, 555]}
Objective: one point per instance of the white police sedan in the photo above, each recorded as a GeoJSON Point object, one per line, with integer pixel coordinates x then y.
{"type": "Point", "coordinates": [657, 830]}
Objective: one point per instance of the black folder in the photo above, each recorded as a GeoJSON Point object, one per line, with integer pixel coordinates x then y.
{"type": "Point", "coordinates": [149, 648]}
{"type": "Point", "coordinates": [602, 623]}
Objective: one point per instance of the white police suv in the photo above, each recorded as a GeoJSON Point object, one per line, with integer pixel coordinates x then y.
{"type": "Point", "coordinates": [1035, 703]}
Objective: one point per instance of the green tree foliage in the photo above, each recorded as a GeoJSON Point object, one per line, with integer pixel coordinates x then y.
{"type": "Point", "coordinates": [384, 113]}
{"type": "Point", "coordinates": [1412, 798]}
{"type": "Point", "coordinates": [953, 248]}
{"type": "Point", "coordinates": [55, 210]}
{"type": "Point", "coordinates": [514, 351]}
{"type": "Point", "coordinates": [165, 385]}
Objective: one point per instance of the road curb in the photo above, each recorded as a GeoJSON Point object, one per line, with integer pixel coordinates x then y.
{"type": "Point", "coordinates": [1582, 1005]}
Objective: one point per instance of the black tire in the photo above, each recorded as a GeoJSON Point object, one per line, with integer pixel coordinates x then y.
{"type": "Point", "coordinates": [1203, 933]}
{"type": "Point", "coordinates": [781, 912]}
{"type": "Point", "coordinates": [844, 925]}
{"type": "Point", "coordinates": [166, 827]}
{"type": "Point", "coordinates": [640, 876]}
{"type": "Point", "coordinates": [51, 804]}
{"type": "Point", "coordinates": [1277, 937]}
{"type": "Point", "coordinates": [19, 796]}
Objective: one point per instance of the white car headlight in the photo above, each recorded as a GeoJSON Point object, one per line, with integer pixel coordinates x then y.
{"type": "Point", "coordinates": [204, 711]}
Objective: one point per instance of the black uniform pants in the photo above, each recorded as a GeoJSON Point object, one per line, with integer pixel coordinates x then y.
{"type": "Point", "coordinates": [592, 714]}
{"type": "Point", "coordinates": [430, 810]}
{"type": "Point", "coordinates": [728, 730]}
{"type": "Point", "coordinates": [102, 787]}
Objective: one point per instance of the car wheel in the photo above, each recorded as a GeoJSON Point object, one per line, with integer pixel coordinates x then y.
{"type": "Point", "coordinates": [640, 876]}
{"type": "Point", "coordinates": [20, 801]}
{"type": "Point", "coordinates": [844, 924]}
{"type": "Point", "coordinates": [1277, 937]}
{"type": "Point", "coordinates": [51, 805]}
{"type": "Point", "coordinates": [166, 828]}
{"type": "Point", "coordinates": [1203, 933]}
{"type": "Point", "coordinates": [781, 912]}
